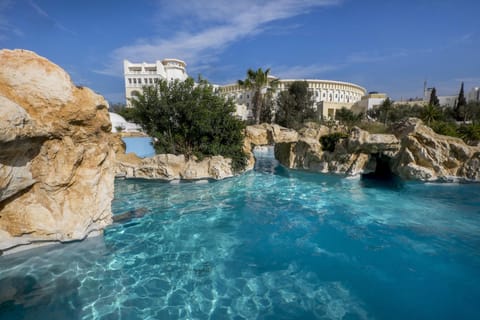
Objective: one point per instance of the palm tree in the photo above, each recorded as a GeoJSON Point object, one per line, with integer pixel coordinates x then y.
{"type": "Point", "coordinates": [431, 113]}
{"type": "Point", "coordinates": [259, 84]}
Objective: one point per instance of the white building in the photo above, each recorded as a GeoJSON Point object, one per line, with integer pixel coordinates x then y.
{"type": "Point", "coordinates": [444, 101]}
{"type": "Point", "coordinates": [138, 75]}
{"type": "Point", "coordinates": [119, 124]}
{"type": "Point", "coordinates": [329, 96]}
{"type": "Point", "coordinates": [370, 101]}
{"type": "Point", "coordinates": [474, 95]}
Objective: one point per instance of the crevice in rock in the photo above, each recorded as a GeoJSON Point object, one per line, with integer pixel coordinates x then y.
{"type": "Point", "coordinates": [382, 171]}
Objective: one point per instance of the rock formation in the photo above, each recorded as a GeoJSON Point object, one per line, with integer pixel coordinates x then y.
{"type": "Point", "coordinates": [354, 155]}
{"type": "Point", "coordinates": [269, 134]}
{"type": "Point", "coordinates": [173, 167]}
{"type": "Point", "coordinates": [427, 156]}
{"type": "Point", "coordinates": [56, 158]}
{"type": "Point", "coordinates": [415, 152]}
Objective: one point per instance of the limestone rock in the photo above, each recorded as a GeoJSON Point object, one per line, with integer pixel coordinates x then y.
{"type": "Point", "coordinates": [428, 156]}
{"type": "Point", "coordinates": [354, 155]}
{"type": "Point", "coordinates": [269, 134]}
{"type": "Point", "coordinates": [173, 167]}
{"type": "Point", "coordinates": [57, 159]}
{"type": "Point", "coordinates": [415, 152]}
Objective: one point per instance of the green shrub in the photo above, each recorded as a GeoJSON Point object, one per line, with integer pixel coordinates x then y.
{"type": "Point", "coordinates": [445, 128]}
{"type": "Point", "coordinates": [470, 133]}
{"type": "Point", "coordinates": [374, 127]}
{"type": "Point", "coordinates": [190, 119]}
{"type": "Point", "coordinates": [329, 141]}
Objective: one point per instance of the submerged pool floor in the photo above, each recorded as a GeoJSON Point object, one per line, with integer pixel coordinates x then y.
{"type": "Point", "coordinates": [271, 244]}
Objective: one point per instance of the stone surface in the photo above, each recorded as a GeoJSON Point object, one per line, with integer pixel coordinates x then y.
{"type": "Point", "coordinates": [427, 156]}
{"type": "Point", "coordinates": [57, 160]}
{"type": "Point", "coordinates": [354, 155]}
{"type": "Point", "coordinates": [269, 134]}
{"type": "Point", "coordinates": [415, 152]}
{"type": "Point", "coordinates": [173, 167]}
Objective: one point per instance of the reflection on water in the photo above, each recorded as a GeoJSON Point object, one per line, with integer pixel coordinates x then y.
{"type": "Point", "coordinates": [270, 244]}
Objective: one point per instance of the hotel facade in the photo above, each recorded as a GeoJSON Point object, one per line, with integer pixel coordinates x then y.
{"type": "Point", "coordinates": [138, 75]}
{"type": "Point", "coordinates": [328, 95]}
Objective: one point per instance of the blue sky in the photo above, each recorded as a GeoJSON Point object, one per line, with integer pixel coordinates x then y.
{"type": "Point", "coordinates": [383, 45]}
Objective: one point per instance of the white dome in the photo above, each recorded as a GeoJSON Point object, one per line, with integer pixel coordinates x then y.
{"type": "Point", "coordinates": [119, 122]}
{"type": "Point", "coordinates": [114, 117]}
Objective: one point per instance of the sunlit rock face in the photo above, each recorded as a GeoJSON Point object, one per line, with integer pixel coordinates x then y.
{"type": "Point", "coordinates": [178, 167]}
{"type": "Point", "coordinates": [353, 155]}
{"type": "Point", "coordinates": [173, 167]}
{"type": "Point", "coordinates": [56, 159]}
{"type": "Point", "coordinates": [413, 152]}
{"type": "Point", "coordinates": [427, 156]}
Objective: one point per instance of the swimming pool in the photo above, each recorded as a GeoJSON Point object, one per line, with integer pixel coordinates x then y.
{"type": "Point", "coordinates": [270, 244]}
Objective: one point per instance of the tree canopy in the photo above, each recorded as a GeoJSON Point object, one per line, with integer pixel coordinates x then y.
{"type": "Point", "coordinates": [188, 118]}
{"type": "Point", "coordinates": [433, 98]}
{"type": "Point", "coordinates": [460, 106]}
{"type": "Point", "coordinates": [260, 84]}
{"type": "Point", "coordinates": [295, 106]}
{"type": "Point", "coordinates": [348, 117]}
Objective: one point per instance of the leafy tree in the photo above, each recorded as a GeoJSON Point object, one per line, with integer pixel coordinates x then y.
{"type": "Point", "coordinates": [460, 106]}
{"type": "Point", "coordinates": [431, 113]}
{"type": "Point", "coordinates": [384, 111]}
{"type": "Point", "coordinates": [190, 119]}
{"type": "Point", "coordinates": [399, 112]}
{"type": "Point", "coordinates": [433, 98]}
{"type": "Point", "coordinates": [259, 83]}
{"type": "Point", "coordinates": [268, 108]}
{"type": "Point", "coordinates": [470, 133]}
{"type": "Point", "coordinates": [347, 117]}
{"type": "Point", "coordinates": [295, 106]}
{"type": "Point", "coordinates": [127, 113]}
{"type": "Point", "coordinates": [329, 141]}
{"type": "Point", "coordinates": [446, 128]}
{"type": "Point", "coordinates": [472, 110]}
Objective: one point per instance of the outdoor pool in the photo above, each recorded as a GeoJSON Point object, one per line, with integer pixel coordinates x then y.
{"type": "Point", "coordinates": [270, 244]}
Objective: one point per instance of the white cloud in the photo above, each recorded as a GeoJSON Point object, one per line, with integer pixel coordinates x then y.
{"type": "Point", "coordinates": [366, 57]}
{"type": "Point", "coordinates": [218, 24]}
{"type": "Point", "coordinates": [303, 72]}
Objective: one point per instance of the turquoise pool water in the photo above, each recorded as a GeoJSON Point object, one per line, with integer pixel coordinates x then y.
{"type": "Point", "coordinates": [271, 244]}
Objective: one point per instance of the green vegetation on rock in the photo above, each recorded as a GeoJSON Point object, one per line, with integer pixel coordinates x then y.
{"type": "Point", "coordinates": [329, 141]}
{"type": "Point", "coordinates": [190, 119]}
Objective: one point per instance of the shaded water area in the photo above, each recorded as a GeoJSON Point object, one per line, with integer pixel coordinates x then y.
{"type": "Point", "coordinates": [271, 244]}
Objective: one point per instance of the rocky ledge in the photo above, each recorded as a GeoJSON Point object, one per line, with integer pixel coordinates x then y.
{"type": "Point", "coordinates": [173, 167]}
{"type": "Point", "coordinates": [56, 159]}
{"type": "Point", "coordinates": [414, 152]}
{"type": "Point", "coordinates": [178, 167]}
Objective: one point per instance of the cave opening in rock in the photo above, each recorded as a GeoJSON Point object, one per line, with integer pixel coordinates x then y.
{"type": "Point", "coordinates": [382, 171]}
